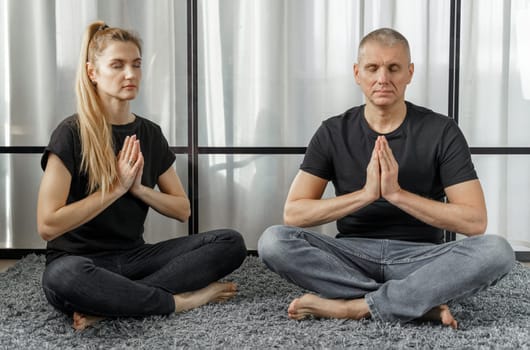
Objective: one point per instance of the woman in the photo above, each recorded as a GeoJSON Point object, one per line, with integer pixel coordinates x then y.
{"type": "Point", "coordinates": [100, 170]}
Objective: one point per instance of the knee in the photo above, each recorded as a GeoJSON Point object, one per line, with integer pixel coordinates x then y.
{"type": "Point", "coordinates": [63, 273]}
{"type": "Point", "coordinates": [239, 246]}
{"type": "Point", "coordinates": [60, 279]}
{"type": "Point", "coordinates": [235, 247]}
{"type": "Point", "coordinates": [271, 243]}
{"type": "Point", "coordinates": [498, 252]}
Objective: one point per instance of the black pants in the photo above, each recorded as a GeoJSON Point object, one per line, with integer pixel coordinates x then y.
{"type": "Point", "coordinates": [141, 281]}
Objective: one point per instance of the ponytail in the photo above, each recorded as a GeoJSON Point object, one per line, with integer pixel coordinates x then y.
{"type": "Point", "coordinates": [98, 159]}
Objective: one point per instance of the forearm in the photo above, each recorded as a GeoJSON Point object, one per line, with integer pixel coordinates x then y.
{"type": "Point", "coordinates": [313, 212]}
{"type": "Point", "coordinates": [54, 224]}
{"type": "Point", "coordinates": [177, 207]}
{"type": "Point", "coordinates": [461, 218]}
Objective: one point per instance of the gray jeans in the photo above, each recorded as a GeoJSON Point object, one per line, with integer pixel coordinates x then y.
{"type": "Point", "coordinates": [399, 280]}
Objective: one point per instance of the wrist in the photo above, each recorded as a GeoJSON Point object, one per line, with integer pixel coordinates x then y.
{"type": "Point", "coordinates": [137, 190]}
{"type": "Point", "coordinates": [369, 196]}
{"type": "Point", "coordinates": [394, 197]}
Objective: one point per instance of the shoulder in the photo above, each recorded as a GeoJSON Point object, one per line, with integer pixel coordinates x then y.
{"type": "Point", "coordinates": [427, 118]}
{"type": "Point", "coordinates": [348, 121]}
{"type": "Point", "coordinates": [69, 123]}
{"type": "Point", "coordinates": [351, 115]}
{"type": "Point", "coordinates": [68, 128]}
{"type": "Point", "coordinates": [146, 123]}
{"type": "Point", "coordinates": [151, 133]}
{"type": "Point", "coordinates": [65, 142]}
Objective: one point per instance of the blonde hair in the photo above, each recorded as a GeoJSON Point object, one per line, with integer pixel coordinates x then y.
{"type": "Point", "coordinates": [98, 158]}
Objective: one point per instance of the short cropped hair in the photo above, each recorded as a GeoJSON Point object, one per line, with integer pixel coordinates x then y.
{"type": "Point", "coordinates": [386, 37]}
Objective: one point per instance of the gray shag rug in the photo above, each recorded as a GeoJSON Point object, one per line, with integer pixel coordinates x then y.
{"type": "Point", "coordinates": [498, 318]}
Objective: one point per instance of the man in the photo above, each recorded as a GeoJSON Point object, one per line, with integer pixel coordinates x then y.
{"type": "Point", "coordinates": [392, 164]}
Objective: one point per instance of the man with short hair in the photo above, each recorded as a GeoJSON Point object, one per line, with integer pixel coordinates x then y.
{"type": "Point", "coordinates": [392, 164]}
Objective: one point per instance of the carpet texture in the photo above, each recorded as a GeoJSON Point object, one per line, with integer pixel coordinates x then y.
{"type": "Point", "coordinates": [498, 318]}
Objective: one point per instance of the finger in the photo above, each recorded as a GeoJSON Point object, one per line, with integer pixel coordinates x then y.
{"type": "Point", "coordinates": [125, 149]}
{"type": "Point", "coordinates": [387, 153]}
{"type": "Point", "coordinates": [140, 159]}
{"type": "Point", "coordinates": [131, 150]}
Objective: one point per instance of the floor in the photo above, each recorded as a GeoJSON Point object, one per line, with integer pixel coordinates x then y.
{"type": "Point", "coordinates": [5, 264]}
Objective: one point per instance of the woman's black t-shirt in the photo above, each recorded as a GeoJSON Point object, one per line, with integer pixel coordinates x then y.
{"type": "Point", "coordinates": [430, 149]}
{"type": "Point", "coordinates": [121, 225]}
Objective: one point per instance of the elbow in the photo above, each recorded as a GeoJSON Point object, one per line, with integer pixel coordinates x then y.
{"type": "Point", "coordinates": [184, 214]}
{"type": "Point", "coordinates": [289, 219]}
{"type": "Point", "coordinates": [478, 227]}
{"type": "Point", "coordinates": [45, 232]}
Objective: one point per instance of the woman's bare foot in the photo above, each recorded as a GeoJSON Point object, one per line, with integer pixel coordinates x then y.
{"type": "Point", "coordinates": [442, 314]}
{"type": "Point", "coordinates": [310, 304]}
{"type": "Point", "coordinates": [217, 291]}
{"type": "Point", "coordinates": [83, 321]}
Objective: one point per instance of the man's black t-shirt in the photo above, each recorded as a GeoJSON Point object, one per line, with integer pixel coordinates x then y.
{"type": "Point", "coordinates": [430, 149]}
{"type": "Point", "coordinates": [121, 225]}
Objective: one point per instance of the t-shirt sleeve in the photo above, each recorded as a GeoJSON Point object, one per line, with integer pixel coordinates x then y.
{"type": "Point", "coordinates": [167, 156]}
{"type": "Point", "coordinates": [318, 160]}
{"type": "Point", "coordinates": [456, 165]}
{"type": "Point", "coordinates": [62, 143]}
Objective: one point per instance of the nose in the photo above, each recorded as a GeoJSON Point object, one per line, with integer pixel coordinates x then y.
{"type": "Point", "coordinates": [382, 77]}
{"type": "Point", "coordinates": [130, 72]}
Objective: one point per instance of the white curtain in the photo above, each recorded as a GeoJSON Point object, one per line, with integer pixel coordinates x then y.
{"type": "Point", "coordinates": [495, 108]}
{"type": "Point", "coordinates": [271, 71]}
{"type": "Point", "coordinates": [39, 50]}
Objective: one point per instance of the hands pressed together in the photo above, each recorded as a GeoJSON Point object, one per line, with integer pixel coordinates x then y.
{"type": "Point", "coordinates": [130, 165]}
{"type": "Point", "coordinates": [382, 171]}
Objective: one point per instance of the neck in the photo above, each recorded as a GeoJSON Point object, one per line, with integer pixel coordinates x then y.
{"type": "Point", "coordinates": [119, 113]}
{"type": "Point", "coordinates": [385, 120]}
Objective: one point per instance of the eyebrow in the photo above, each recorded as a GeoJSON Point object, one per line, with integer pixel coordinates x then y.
{"type": "Point", "coordinates": [389, 64]}
{"type": "Point", "coordinates": [124, 60]}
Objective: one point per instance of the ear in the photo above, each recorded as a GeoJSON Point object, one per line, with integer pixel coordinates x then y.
{"type": "Point", "coordinates": [91, 71]}
{"type": "Point", "coordinates": [411, 71]}
{"type": "Point", "coordinates": [356, 72]}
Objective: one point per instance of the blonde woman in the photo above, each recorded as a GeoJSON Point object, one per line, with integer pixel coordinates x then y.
{"type": "Point", "coordinates": [100, 171]}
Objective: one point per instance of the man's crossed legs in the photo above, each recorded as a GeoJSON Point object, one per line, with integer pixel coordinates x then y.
{"type": "Point", "coordinates": [388, 280]}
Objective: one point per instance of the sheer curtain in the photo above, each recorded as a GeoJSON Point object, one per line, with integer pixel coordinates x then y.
{"type": "Point", "coordinates": [271, 71]}
{"type": "Point", "coordinates": [39, 50]}
{"type": "Point", "coordinates": [494, 108]}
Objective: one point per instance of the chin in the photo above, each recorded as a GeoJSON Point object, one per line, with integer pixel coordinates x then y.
{"type": "Point", "coordinates": [129, 97]}
{"type": "Point", "coordinates": [383, 102]}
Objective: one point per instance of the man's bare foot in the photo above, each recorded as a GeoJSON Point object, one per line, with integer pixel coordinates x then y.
{"type": "Point", "coordinates": [217, 291]}
{"type": "Point", "coordinates": [83, 321]}
{"type": "Point", "coordinates": [310, 304]}
{"type": "Point", "coordinates": [443, 314]}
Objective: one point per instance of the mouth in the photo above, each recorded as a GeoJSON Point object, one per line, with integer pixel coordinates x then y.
{"type": "Point", "coordinates": [383, 92]}
{"type": "Point", "coordinates": [129, 87]}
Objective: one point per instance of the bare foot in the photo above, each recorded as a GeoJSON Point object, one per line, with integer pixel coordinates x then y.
{"type": "Point", "coordinates": [83, 321]}
{"type": "Point", "coordinates": [310, 304]}
{"type": "Point", "coordinates": [217, 291]}
{"type": "Point", "coordinates": [442, 314]}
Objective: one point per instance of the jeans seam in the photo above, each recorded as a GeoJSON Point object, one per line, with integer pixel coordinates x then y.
{"type": "Point", "coordinates": [372, 307]}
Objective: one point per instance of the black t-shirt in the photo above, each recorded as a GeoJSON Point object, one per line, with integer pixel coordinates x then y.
{"type": "Point", "coordinates": [120, 226]}
{"type": "Point", "coordinates": [432, 154]}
